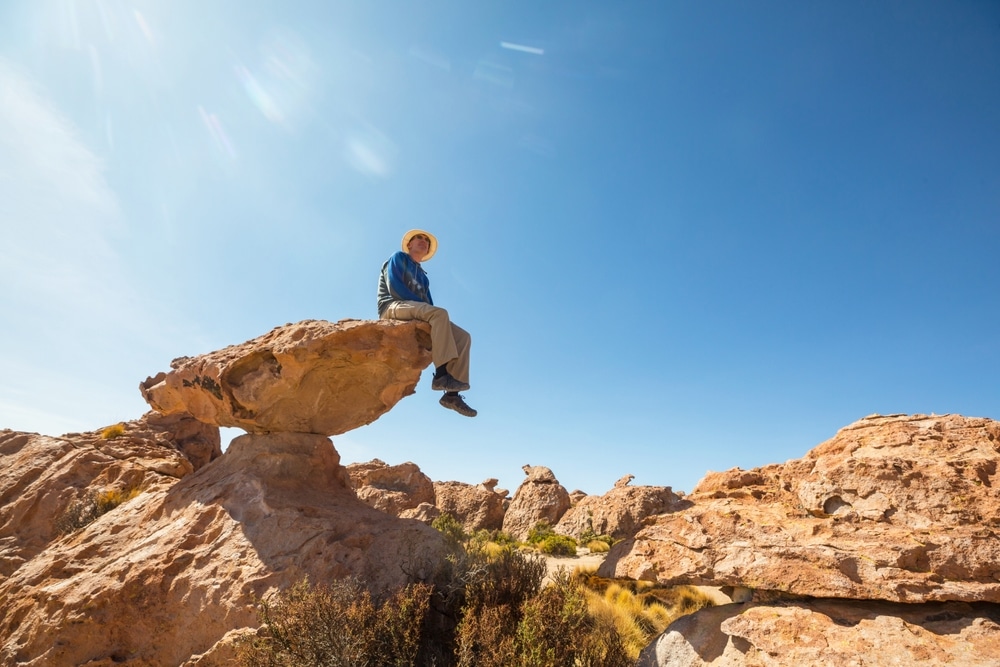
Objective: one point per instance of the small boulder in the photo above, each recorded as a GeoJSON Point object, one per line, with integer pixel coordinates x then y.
{"type": "Point", "coordinates": [540, 497]}
{"type": "Point", "coordinates": [393, 489]}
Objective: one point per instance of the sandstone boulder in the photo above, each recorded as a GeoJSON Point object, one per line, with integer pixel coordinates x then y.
{"type": "Point", "coordinates": [832, 633]}
{"type": "Point", "coordinates": [620, 512]}
{"type": "Point", "coordinates": [309, 377]}
{"type": "Point", "coordinates": [175, 571]}
{"type": "Point", "coordinates": [42, 478]}
{"type": "Point", "coordinates": [392, 489]}
{"type": "Point", "coordinates": [898, 508]}
{"type": "Point", "coordinates": [474, 506]}
{"type": "Point", "coordinates": [540, 497]}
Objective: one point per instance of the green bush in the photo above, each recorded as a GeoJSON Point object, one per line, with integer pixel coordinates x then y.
{"type": "Point", "coordinates": [588, 536]}
{"type": "Point", "coordinates": [449, 526]}
{"type": "Point", "coordinates": [558, 545]}
{"type": "Point", "coordinates": [539, 532]}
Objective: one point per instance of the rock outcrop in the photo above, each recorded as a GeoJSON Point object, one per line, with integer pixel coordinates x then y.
{"type": "Point", "coordinates": [831, 633]}
{"type": "Point", "coordinates": [42, 477]}
{"type": "Point", "coordinates": [476, 507]}
{"type": "Point", "coordinates": [903, 509]}
{"type": "Point", "coordinates": [540, 497]}
{"type": "Point", "coordinates": [620, 512]}
{"type": "Point", "coordinates": [172, 572]}
{"type": "Point", "coordinates": [393, 489]}
{"type": "Point", "coordinates": [309, 377]}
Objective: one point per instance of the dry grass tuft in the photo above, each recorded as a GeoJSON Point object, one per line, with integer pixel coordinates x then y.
{"type": "Point", "coordinates": [113, 431]}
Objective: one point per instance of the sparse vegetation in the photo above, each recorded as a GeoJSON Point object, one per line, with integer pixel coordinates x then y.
{"type": "Point", "coordinates": [487, 608]}
{"type": "Point", "coordinates": [598, 546]}
{"type": "Point", "coordinates": [113, 431]}
{"type": "Point", "coordinates": [95, 504]}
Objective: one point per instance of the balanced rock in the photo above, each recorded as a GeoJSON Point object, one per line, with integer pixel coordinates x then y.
{"type": "Point", "coordinates": [540, 497]}
{"type": "Point", "coordinates": [44, 480]}
{"type": "Point", "coordinates": [309, 377]}
{"type": "Point", "coordinates": [474, 506]}
{"type": "Point", "coordinates": [620, 512]}
{"type": "Point", "coordinates": [832, 633]}
{"type": "Point", "coordinates": [897, 508]}
{"type": "Point", "coordinates": [170, 576]}
{"type": "Point", "coordinates": [392, 489]}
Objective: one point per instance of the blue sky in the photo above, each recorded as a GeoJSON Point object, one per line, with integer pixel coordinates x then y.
{"type": "Point", "coordinates": [685, 236]}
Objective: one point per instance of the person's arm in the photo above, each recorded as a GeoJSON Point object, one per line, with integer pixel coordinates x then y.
{"type": "Point", "coordinates": [398, 286]}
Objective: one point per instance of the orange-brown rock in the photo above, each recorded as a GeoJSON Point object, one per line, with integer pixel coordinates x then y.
{"type": "Point", "coordinates": [898, 508]}
{"type": "Point", "coordinates": [393, 489]}
{"type": "Point", "coordinates": [831, 633]}
{"type": "Point", "coordinates": [41, 477]}
{"type": "Point", "coordinates": [173, 572]}
{"type": "Point", "coordinates": [540, 497]}
{"type": "Point", "coordinates": [476, 506]}
{"type": "Point", "coordinates": [620, 512]}
{"type": "Point", "coordinates": [309, 377]}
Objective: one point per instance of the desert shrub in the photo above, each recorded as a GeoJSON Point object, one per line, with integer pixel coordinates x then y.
{"type": "Point", "coordinates": [539, 532]}
{"type": "Point", "coordinates": [588, 536]}
{"type": "Point", "coordinates": [450, 527]}
{"type": "Point", "coordinates": [113, 431]}
{"type": "Point", "coordinates": [558, 545]}
{"type": "Point", "coordinates": [337, 625]}
{"type": "Point", "coordinates": [86, 510]}
{"type": "Point", "coordinates": [557, 630]}
{"type": "Point", "coordinates": [598, 546]}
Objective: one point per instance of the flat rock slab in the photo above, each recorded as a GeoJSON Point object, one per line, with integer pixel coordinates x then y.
{"type": "Point", "coordinates": [311, 377]}
{"type": "Point", "coordinates": [832, 633]}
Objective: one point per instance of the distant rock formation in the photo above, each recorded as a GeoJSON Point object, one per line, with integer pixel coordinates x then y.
{"type": "Point", "coordinates": [900, 509]}
{"type": "Point", "coordinates": [393, 489]}
{"type": "Point", "coordinates": [620, 512]}
{"type": "Point", "coordinates": [540, 497]}
{"type": "Point", "coordinates": [309, 377]}
{"type": "Point", "coordinates": [476, 507]}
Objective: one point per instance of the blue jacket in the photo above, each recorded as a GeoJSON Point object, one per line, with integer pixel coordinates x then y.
{"type": "Point", "coordinates": [402, 279]}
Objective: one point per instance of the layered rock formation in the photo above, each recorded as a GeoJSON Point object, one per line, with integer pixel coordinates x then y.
{"type": "Point", "coordinates": [620, 512]}
{"type": "Point", "coordinates": [309, 377]}
{"type": "Point", "coordinates": [540, 497]}
{"type": "Point", "coordinates": [172, 574]}
{"type": "Point", "coordinates": [479, 506]}
{"type": "Point", "coordinates": [393, 489]}
{"type": "Point", "coordinates": [896, 509]}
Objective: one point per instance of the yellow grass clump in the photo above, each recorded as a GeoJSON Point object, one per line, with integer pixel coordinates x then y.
{"type": "Point", "coordinates": [113, 431]}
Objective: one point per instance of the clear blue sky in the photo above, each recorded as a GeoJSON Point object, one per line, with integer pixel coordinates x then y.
{"type": "Point", "coordinates": [685, 236]}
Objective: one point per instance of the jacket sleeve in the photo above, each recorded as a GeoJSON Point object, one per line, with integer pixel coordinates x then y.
{"type": "Point", "coordinates": [396, 272]}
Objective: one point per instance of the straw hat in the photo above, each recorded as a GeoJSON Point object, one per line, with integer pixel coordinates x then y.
{"type": "Point", "coordinates": [408, 236]}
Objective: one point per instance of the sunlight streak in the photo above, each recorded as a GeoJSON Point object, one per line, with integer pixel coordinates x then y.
{"type": "Point", "coordinates": [522, 48]}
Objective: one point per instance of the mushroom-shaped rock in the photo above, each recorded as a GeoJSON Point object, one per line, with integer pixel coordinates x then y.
{"type": "Point", "coordinates": [310, 377]}
{"type": "Point", "coordinates": [539, 498]}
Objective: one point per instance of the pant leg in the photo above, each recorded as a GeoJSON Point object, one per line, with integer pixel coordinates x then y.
{"type": "Point", "coordinates": [450, 344]}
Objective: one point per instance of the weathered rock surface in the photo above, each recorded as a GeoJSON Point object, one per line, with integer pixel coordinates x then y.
{"type": "Point", "coordinates": [897, 508]}
{"type": "Point", "coordinates": [620, 512]}
{"type": "Point", "coordinates": [392, 489]}
{"type": "Point", "coordinates": [42, 476]}
{"type": "Point", "coordinates": [540, 497]}
{"type": "Point", "coordinates": [831, 633]}
{"type": "Point", "coordinates": [309, 377]}
{"type": "Point", "coordinates": [170, 573]}
{"type": "Point", "coordinates": [476, 507]}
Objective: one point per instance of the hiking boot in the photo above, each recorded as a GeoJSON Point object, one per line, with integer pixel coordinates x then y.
{"type": "Point", "coordinates": [455, 402]}
{"type": "Point", "coordinates": [446, 382]}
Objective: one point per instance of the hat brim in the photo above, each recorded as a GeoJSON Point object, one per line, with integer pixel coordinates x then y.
{"type": "Point", "coordinates": [408, 236]}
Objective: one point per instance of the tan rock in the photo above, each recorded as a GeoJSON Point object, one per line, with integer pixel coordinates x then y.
{"type": "Point", "coordinates": [898, 508]}
{"type": "Point", "coordinates": [424, 513]}
{"type": "Point", "coordinates": [42, 476]}
{"type": "Point", "coordinates": [475, 507]}
{"type": "Point", "coordinates": [539, 498]}
{"type": "Point", "coordinates": [831, 633]}
{"type": "Point", "coordinates": [392, 489]}
{"type": "Point", "coordinates": [173, 572]}
{"type": "Point", "coordinates": [620, 512]}
{"type": "Point", "coordinates": [309, 377]}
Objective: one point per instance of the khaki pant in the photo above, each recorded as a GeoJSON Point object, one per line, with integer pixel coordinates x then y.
{"type": "Point", "coordinates": [450, 343]}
